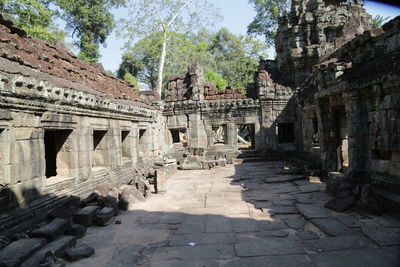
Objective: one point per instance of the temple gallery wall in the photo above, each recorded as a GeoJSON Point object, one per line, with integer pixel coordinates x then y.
{"type": "Point", "coordinates": [332, 96]}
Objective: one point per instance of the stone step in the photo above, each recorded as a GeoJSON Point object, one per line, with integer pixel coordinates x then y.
{"type": "Point", "coordinates": [58, 247]}
{"type": "Point", "coordinates": [19, 251]}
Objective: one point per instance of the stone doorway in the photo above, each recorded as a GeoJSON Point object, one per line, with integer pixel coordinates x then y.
{"type": "Point", "coordinates": [246, 136]}
{"type": "Point", "coordinates": [342, 138]}
{"type": "Point", "coordinates": [57, 152]}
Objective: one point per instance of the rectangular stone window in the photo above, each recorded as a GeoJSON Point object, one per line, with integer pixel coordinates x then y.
{"type": "Point", "coordinates": [219, 134]}
{"type": "Point", "coordinates": [126, 144]}
{"type": "Point", "coordinates": [100, 149]}
{"type": "Point", "coordinates": [285, 133]}
{"type": "Point", "coordinates": [142, 132]}
{"type": "Point", "coordinates": [179, 136]}
{"type": "Point", "coordinates": [57, 152]}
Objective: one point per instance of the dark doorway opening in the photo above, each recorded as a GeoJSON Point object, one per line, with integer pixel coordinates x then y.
{"type": "Point", "coordinates": [246, 136]}
{"type": "Point", "coordinates": [179, 136]}
{"type": "Point", "coordinates": [286, 133]}
{"type": "Point", "coordinates": [54, 142]}
{"type": "Point", "coordinates": [141, 135]}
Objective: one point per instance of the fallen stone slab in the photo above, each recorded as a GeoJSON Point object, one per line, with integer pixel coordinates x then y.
{"type": "Point", "coordinates": [51, 230]}
{"type": "Point", "coordinates": [76, 230]}
{"type": "Point", "coordinates": [90, 199]}
{"type": "Point", "coordinates": [337, 243]}
{"type": "Point", "coordinates": [295, 223]}
{"type": "Point", "coordinates": [129, 196]}
{"type": "Point", "coordinates": [341, 204]}
{"type": "Point", "coordinates": [58, 247]}
{"type": "Point", "coordinates": [105, 216]}
{"type": "Point", "coordinates": [265, 247]}
{"type": "Point", "coordinates": [81, 252]}
{"type": "Point", "coordinates": [333, 227]}
{"type": "Point", "coordinates": [310, 211]}
{"type": "Point", "coordinates": [50, 260]}
{"type": "Point", "coordinates": [307, 235]}
{"type": "Point", "coordinates": [19, 251]}
{"type": "Point", "coordinates": [382, 236]}
{"type": "Point", "coordinates": [86, 216]}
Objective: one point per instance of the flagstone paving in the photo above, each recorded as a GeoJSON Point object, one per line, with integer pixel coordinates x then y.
{"type": "Point", "coordinates": [246, 214]}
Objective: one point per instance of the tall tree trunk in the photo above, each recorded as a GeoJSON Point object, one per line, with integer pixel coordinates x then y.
{"type": "Point", "coordinates": [161, 65]}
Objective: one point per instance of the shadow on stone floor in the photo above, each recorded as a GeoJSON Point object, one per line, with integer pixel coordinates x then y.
{"type": "Point", "coordinates": [249, 214]}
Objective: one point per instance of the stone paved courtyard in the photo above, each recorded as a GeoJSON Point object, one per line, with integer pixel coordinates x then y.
{"type": "Point", "coordinates": [247, 214]}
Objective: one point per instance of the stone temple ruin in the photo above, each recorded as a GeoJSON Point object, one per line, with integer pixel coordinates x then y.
{"type": "Point", "coordinates": [67, 129]}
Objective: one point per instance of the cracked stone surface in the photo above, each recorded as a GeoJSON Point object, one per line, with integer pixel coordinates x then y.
{"type": "Point", "coordinates": [214, 218]}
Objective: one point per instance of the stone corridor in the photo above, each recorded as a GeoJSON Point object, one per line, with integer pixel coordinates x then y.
{"type": "Point", "coordinates": [248, 214]}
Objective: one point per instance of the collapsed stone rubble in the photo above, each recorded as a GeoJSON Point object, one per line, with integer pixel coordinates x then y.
{"type": "Point", "coordinates": [330, 99]}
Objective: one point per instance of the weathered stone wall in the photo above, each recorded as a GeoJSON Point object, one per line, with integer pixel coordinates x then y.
{"type": "Point", "coordinates": [65, 128]}
{"type": "Point", "coordinates": [313, 30]}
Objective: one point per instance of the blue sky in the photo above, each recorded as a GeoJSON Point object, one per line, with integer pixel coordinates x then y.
{"type": "Point", "coordinates": [237, 14]}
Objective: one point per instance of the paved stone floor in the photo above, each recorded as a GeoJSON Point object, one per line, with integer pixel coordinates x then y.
{"type": "Point", "coordinates": [248, 214]}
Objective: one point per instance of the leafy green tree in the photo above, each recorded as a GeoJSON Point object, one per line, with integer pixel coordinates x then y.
{"type": "Point", "coordinates": [378, 21]}
{"type": "Point", "coordinates": [91, 21]}
{"type": "Point", "coordinates": [237, 57]}
{"type": "Point", "coordinates": [217, 79]}
{"type": "Point", "coordinates": [165, 17]}
{"type": "Point", "coordinates": [265, 22]}
{"type": "Point", "coordinates": [131, 79]}
{"type": "Point", "coordinates": [142, 60]}
{"type": "Point", "coordinates": [33, 16]}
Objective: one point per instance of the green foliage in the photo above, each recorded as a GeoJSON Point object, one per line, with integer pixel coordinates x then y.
{"type": "Point", "coordinates": [217, 79]}
{"type": "Point", "coordinates": [265, 22]}
{"type": "Point", "coordinates": [131, 79]}
{"type": "Point", "coordinates": [33, 16]}
{"type": "Point", "coordinates": [378, 21]}
{"type": "Point", "coordinates": [234, 57]}
{"type": "Point", "coordinates": [237, 57]}
{"type": "Point", "coordinates": [91, 21]}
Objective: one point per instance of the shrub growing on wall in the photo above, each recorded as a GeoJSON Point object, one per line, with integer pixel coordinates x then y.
{"type": "Point", "coordinates": [217, 79]}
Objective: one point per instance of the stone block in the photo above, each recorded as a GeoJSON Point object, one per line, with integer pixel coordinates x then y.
{"type": "Point", "coordinates": [76, 230]}
{"type": "Point", "coordinates": [81, 252]}
{"type": "Point", "coordinates": [58, 247]}
{"type": "Point", "coordinates": [19, 251]}
{"type": "Point", "coordinates": [86, 216]}
{"type": "Point", "coordinates": [51, 230]}
{"type": "Point", "coordinates": [105, 216]}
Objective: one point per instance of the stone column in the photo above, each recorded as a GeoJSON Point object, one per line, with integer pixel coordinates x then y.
{"type": "Point", "coordinates": [197, 133]}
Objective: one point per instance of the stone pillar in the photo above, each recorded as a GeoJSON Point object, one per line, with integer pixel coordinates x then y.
{"type": "Point", "coordinates": [197, 133]}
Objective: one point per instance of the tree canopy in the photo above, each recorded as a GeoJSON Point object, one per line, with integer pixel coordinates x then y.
{"type": "Point", "coordinates": [165, 17]}
{"type": "Point", "coordinates": [233, 57]}
{"type": "Point", "coordinates": [265, 23]}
